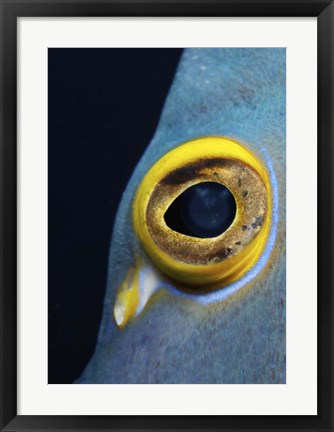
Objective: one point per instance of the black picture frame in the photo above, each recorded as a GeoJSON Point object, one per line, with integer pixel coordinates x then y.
{"type": "Point", "coordinates": [10, 11]}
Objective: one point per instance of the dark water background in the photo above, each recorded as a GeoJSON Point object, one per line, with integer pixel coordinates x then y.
{"type": "Point", "coordinates": [104, 106]}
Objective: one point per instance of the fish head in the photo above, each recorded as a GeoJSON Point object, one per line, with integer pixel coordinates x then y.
{"type": "Point", "coordinates": [197, 307]}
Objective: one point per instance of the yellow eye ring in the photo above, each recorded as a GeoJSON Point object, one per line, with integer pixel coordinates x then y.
{"type": "Point", "coordinates": [205, 261]}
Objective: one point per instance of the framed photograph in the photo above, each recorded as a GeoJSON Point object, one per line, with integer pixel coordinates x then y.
{"type": "Point", "coordinates": [166, 215]}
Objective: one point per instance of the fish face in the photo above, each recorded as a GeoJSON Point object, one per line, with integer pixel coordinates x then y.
{"type": "Point", "coordinates": [202, 299]}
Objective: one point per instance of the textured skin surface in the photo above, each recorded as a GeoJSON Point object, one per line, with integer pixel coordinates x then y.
{"type": "Point", "coordinates": [238, 93]}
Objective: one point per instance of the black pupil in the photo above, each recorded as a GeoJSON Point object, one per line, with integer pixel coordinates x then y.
{"type": "Point", "coordinates": [204, 210]}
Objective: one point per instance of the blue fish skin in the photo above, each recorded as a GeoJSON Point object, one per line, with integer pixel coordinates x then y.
{"type": "Point", "coordinates": [237, 93]}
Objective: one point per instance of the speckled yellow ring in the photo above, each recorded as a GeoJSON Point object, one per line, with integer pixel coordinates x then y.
{"type": "Point", "coordinates": [213, 261]}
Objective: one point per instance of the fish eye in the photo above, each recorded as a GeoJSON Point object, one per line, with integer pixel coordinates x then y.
{"type": "Point", "coordinates": [203, 212]}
